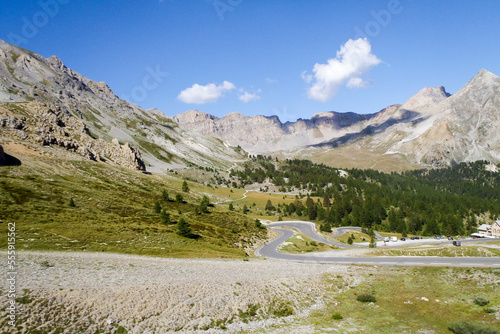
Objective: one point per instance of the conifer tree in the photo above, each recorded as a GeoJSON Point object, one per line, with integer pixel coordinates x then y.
{"type": "Point", "coordinates": [184, 229]}
{"type": "Point", "coordinates": [164, 217]}
{"type": "Point", "coordinates": [165, 196]}
{"type": "Point", "coordinates": [205, 202]}
{"type": "Point", "coordinates": [185, 187]}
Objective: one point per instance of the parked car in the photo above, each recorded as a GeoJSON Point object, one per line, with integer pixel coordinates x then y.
{"type": "Point", "coordinates": [394, 238]}
{"type": "Point", "coordinates": [386, 239]}
{"type": "Point", "coordinates": [457, 243]}
{"type": "Point", "coordinates": [403, 239]}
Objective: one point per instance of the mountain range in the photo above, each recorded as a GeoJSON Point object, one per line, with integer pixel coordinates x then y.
{"type": "Point", "coordinates": [432, 128]}
{"type": "Point", "coordinates": [45, 104]}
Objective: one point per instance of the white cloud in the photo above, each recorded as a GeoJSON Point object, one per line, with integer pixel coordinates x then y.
{"type": "Point", "coordinates": [357, 83]}
{"type": "Point", "coordinates": [306, 77]}
{"type": "Point", "coordinates": [203, 94]}
{"type": "Point", "coordinates": [247, 97]}
{"type": "Point", "coordinates": [271, 81]}
{"type": "Point", "coordinates": [353, 60]}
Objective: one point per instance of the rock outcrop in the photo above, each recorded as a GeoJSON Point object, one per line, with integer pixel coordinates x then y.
{"type": "Point", "coordinates": [49, 126]}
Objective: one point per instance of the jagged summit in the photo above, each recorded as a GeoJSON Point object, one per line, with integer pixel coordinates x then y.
{"type": "Point", "coordinates": [485, 73]}
{"type": "Point", "coordinates": [425, 97]}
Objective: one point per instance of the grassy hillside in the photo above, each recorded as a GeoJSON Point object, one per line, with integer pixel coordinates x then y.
{"type": "Point", "coordinates": [411, 300]}
{"type": "Point", "coordinates": [87, 206]}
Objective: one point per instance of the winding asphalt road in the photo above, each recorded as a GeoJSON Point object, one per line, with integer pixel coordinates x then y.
{"type": "Point", "coordinates": [270, 250]}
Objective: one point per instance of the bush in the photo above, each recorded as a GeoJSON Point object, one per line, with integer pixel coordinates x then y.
{"type": "Point", "coordinates": [313, 243]}
{"type": "Point", "coordinates": [46, 264]}
{"type": "Point", "coordinates": [470, 328]}
{"type": "Point", "coordinates": [280, 309]}
{"type": "Point", "coordinates": [259, 225]}
{"type": "Point", "coordinates": [366, 298]}
{"type": "Point", "coordinates": [337, 316]}
{"type": "Point", "coordinates": [121, 330]}
{"type": "Point", "coordinates": [489, 310]}
{"type": "Point", "coordinates": [481, 301]}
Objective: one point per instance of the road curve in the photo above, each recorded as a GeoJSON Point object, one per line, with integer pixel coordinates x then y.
{"type": "Point", "coordinates": [270, 250]}
{"type": "Point", "coordinates": [308, 229]}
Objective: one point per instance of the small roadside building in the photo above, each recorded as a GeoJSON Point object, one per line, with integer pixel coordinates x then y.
{"type": "Point", "coordinates": [483, 231]}
{"type": "Point", "coordinates": [495, 229]}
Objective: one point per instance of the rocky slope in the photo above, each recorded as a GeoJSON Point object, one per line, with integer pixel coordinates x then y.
{"type": "Point", "coordinates": [463, 127]}
{"type": "Point", "coordinates": [41, 94]}
{"type": "Point", "coordinates": [42, 124]}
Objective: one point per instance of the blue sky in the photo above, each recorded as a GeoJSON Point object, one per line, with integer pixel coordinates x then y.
{"type": "Point", "coordinates": [291, 59]}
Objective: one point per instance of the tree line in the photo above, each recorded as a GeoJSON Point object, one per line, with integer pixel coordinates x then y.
{"type": "Point", "coordinates": [428, 202]}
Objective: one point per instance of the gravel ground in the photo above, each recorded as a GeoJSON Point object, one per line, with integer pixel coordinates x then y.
{"type": "Point", "coordinates": [86, 292]}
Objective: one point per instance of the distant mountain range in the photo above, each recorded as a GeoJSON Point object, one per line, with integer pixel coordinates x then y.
{"type": "Point", "coordinates": [432, 128]}
{"type": "Point", "coordinates": [44, 103]}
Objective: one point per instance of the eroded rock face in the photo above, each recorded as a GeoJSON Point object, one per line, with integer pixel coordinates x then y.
{"type": "Point", "coordinates": [262, 134]}
{"type": "Point", "coordinates": [47, 125]}
{"type": "Point", "coordinates": [462, 127]}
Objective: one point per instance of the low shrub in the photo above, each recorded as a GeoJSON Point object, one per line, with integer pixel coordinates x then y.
{"type": "Point", "coordinates": [466, 327]}
{"type": "Point", "coordinates": [481, 301]}
{"type": "Point", "coordinates": [337, 316]}
{"type": "Point", "coordinates": [366, 298]}
{"type": "Point", "coordinates": [280, 309]}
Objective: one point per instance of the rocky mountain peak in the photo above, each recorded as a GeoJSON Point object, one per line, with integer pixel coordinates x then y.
{"type": "Point", "coordinates": [325, 114]}
{"type": "Point", "coordinates": [484, 73]}
{"type": "Point", "coordinates": [193, 116]}
{"type": "Point", "coordinates": [236, 116]}
{"type": "Point", "coordinates": [483, 78]}
{"type": "Point", "coordinates": [426, 97]}
{"type": "Point", "coordinates": [56, 63]}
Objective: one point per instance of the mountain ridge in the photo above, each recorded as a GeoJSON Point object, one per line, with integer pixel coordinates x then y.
{"type": "Point", "coordinates": [31, 82]}
{"type": "Point", "coordinates": [432, 128]}
{"type": "Point", "coordinates": [397, 129]}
